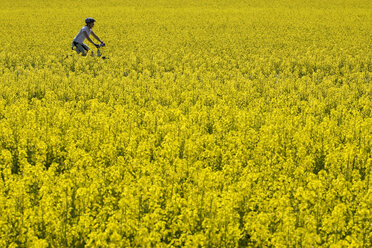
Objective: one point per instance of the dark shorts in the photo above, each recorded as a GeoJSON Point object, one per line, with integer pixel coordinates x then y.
{"type": "Point", "coordinates": [79, 46]}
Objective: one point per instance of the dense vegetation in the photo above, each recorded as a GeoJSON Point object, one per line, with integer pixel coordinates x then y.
{"type": "Point", "coordinates": [214, 124]}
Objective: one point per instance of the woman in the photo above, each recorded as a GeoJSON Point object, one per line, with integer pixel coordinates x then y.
{"type": "Point", "coordinates": [84, 33]}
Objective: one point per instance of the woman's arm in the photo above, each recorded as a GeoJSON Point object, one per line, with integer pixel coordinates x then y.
{"type": "Point", "coordinates": [89, 39]}
{"type": "Point", "coordinates": [96, 37]}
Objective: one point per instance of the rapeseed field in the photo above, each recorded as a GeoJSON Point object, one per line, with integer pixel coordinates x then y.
{"type": "Point", "coordinates": [213, 123]}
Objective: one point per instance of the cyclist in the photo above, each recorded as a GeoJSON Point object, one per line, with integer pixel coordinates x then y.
{"type": "Point", "coordinates": [84, 33]}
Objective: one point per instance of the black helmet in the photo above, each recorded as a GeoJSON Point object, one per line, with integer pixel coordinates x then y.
{"type": "Point", "coordinates": [89, 20]}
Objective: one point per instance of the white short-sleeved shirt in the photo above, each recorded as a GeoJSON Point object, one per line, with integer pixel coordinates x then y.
{"type": "Point", "coordinates": [79, 38]}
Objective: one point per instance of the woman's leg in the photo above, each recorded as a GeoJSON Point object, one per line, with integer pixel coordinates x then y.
{"type": "Point", "coordinates": [82, 48]}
